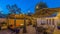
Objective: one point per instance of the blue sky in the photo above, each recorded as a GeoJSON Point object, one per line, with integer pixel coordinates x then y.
{"type": "Point", "coordinates": [27, 5]}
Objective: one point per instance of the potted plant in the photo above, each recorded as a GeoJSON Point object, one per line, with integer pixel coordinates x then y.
{"type": "Point", "coordinates": [58, 25]}
{"type": "Point", "coordinates": [4, 25]}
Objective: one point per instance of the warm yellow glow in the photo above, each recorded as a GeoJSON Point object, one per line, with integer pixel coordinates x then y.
{"type": "Point", "coordinates": [18, 22]}
{"type": "Point", "coordinates": [18, 16]}
{"type": "Point", "coordinates": [21, 24]}
{"type": "Point", "coordinates": [11, 21]}
{"type": "Point", "coordinates": [37, 7]}
{"type": "Point", "coordinates": [58, 15]}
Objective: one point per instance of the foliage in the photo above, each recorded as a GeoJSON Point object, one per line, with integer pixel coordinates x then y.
{"type": "Point", "coordinates": [3, 23]}
{"type": "Point", "coordinates": [14, 9]}
{"type": "Point", "coordinates": [41, 5]}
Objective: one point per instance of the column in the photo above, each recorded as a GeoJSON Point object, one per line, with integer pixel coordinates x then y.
{"type": "Point", "coordinates": [49, 21]}
{"type": "Point", "coordinates": [53, 22]}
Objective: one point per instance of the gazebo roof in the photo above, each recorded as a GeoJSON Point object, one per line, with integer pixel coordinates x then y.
{"type": "Point", "coordinates": [17, 16]}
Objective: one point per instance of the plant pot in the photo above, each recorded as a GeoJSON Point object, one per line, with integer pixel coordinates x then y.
{"type": "Point", "coordinates": [58, 27]}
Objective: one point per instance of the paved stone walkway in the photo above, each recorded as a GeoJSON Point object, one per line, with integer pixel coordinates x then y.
{"type": "Point", "coordinates": [30, 30]}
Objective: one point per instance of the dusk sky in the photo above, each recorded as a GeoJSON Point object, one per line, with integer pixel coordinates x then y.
{"type": "Point", "coordinates": [27, 5]}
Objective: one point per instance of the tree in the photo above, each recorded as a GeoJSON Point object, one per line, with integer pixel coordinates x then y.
{"type": "Point", "coordinates": [14, 9]}
{"type": "Point", "coordinates": [42, 10]}
{"type": "Point", "coordinates": [41, 5]}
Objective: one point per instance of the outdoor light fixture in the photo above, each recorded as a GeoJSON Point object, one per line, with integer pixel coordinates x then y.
{"type": "Point", "coordinates": [37, 7]}
{"type": "Point", "coordinates": [21, 24]}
